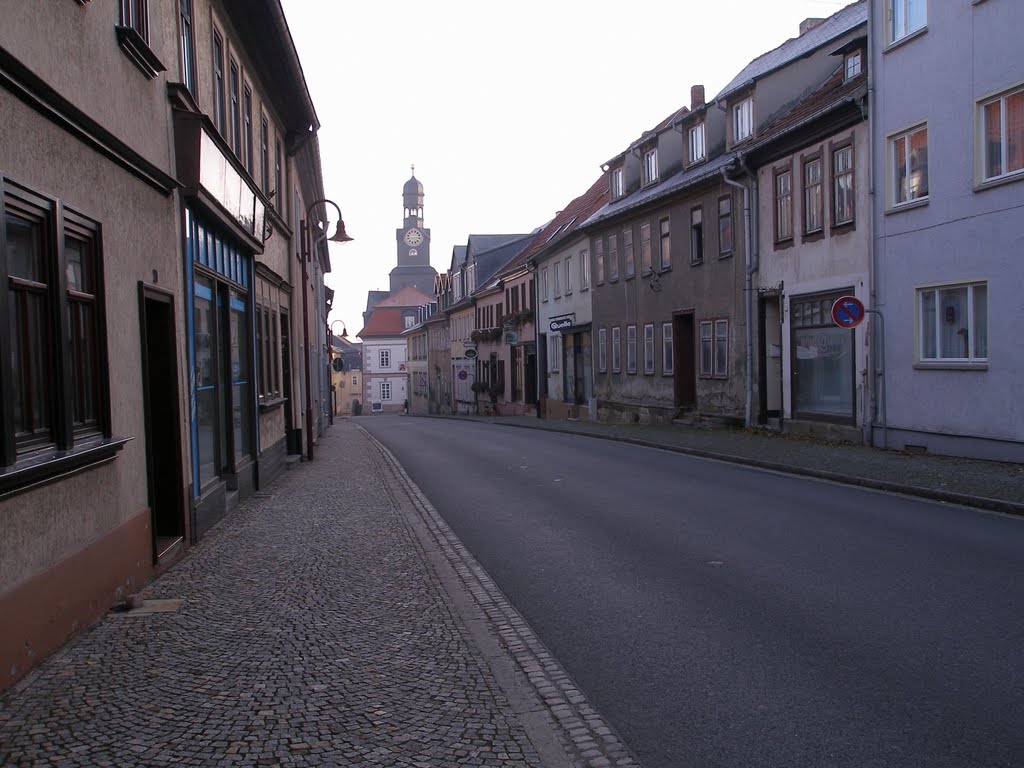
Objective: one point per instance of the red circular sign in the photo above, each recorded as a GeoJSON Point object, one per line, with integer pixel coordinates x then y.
{"type": "Point", "coordinates": [847, 312]}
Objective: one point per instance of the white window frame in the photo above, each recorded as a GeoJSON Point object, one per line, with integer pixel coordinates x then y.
{"type": "Point", "coordinates": [554, 353]}
{"type": "Point", "coordinates": [667, 355]}
{"type": "Point", "coordinates": [898, 21]}
{"type": "Point", "coordinates": [712, 332]}
{"type": "Point", "coordinates": [384, 358]}
{"type": "Point", "coordinates": [602, 350]}
{"type": "Point", "coordinates": [648, 349]}
{"type": "Point", "coordinates": [556, 280]}
{"type": "Point", "coordinates": [894, 186]}
{"type": "Point", "coordinates": [584, 270]}
{"type": "Point", "coordinates": [385, 391]}
{"type": "Point", "coordinates": [650, 166]}
{"type": "Point", "coordinates": [695, 138]}
{"type": "Point", "coordinates": [568, 275]}
{"type": "Point", "coordinates": [1003, 139]}
{"type": "Point", "coordinates": [617, 187]}
{"type": "Point", "coordinates": [616, 349]}
{"type": "Point", "coordinates": [973, 358]}
{"type": "Point", "coordinates": [853, 64]}
{"type": "Point", "coordinates": [544, 284]}
{"type": "Point", "coordinates": [630, 349]}
{"type": "Point", "coordinates": [743, 120]}
{"type": "Point", "coordinates": [839, 177]}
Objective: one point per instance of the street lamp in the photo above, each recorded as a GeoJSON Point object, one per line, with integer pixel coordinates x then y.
{"type": "Point", "coordinates": [330, 363]}
{"type": "Point", "coordinates": [306, 235]}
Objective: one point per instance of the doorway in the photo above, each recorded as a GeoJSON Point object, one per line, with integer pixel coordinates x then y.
{"type": "Point", "coordinates": [162, 419]}
{"type": "Point", "coordinates": [770, 373]}
{"type": "Point", "coordinates": [684, 351]}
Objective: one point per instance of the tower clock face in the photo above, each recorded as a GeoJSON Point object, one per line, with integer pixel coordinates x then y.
{"type": "Point", "coordinates": [413, 237]}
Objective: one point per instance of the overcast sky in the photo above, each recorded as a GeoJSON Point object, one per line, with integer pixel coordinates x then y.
{"type": "Point", "coordinates": [507, 116]}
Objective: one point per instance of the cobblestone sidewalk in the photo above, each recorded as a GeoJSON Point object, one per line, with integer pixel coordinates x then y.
{"type": "Point", "coordinates": [331, 621]}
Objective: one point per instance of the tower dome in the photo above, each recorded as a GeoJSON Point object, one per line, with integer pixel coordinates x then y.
{"type": "Point", "coordinates": [412, 192]}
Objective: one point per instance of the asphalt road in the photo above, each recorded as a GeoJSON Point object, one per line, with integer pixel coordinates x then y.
{"type": "Point", "coordinates": [724, 616]}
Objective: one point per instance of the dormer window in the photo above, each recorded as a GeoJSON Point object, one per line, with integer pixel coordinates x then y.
{"type": "Point", "coordinates": [743, 120]}
{"type": "Point", "coordinates": [617, 185]}
{"type": "Point", "coordinates": [853, 65]}
{"type": "Point", "coordinates": [696, 141]}
{"type": "Point", "coordinates": [651, 166]}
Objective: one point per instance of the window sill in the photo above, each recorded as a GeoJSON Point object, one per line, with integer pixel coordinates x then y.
{"type": "Point", "coordinates": [696, 263]}
{"type": "Point", "coordinates": [726, 255]}
{"type": "Point", "coordinates": [813, 237]}
{"type": "Point", "coordinates": [999, 181]}
{"type": "Point", "coordinates": [905, 39]}
{"type": "Point", "coordinates": [270, 405]}
{"type": "Point", "coordinates": [53, 465]}
{"type": "Point", "coordinates": [138, 50]}
{"type": "Point", "coordinates": [919, 203]}
{"type": "Point", "coordinates": [663, 270]}
{"type": "Point", "coordinates": [843, 229]}
{"type": "Point", "coordinates": [783, 245]}
{"type": "Point", "coordinates": [949, 365]}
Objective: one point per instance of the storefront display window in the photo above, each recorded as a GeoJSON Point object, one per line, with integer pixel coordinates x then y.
{"type": "Point", "coordinates": [823, 361]}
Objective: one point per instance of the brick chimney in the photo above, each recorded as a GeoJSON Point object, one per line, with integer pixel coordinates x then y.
{"type": "Point", "coordinates": [808, 24]}
{"type": "Point", "coordinates": [696, 97]}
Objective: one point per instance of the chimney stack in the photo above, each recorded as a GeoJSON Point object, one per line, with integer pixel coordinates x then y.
{"type": "Point", "coordinates": [696, 97]}
{"type": "Point", "coordinates": [808, 24]}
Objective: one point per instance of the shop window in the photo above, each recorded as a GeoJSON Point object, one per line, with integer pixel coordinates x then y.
{"type": "Point", "coordinates": [822, 361]}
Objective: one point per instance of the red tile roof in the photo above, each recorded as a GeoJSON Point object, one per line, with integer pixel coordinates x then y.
{"type": "Point", "coordinates": [383, 322]}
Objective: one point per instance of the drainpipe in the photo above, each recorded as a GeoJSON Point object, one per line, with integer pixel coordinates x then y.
{"type": "Point", "coordinates": [876, 358]}
{"type": "Point", "coordinates": [749, 191]}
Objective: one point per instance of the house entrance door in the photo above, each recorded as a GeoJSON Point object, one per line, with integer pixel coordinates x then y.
{"type": "Point", "coordinates": [684, 351]}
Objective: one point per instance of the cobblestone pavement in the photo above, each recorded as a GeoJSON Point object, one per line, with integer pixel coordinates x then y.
{"type": "Point", "coordinates": [989, 485]}
{"type": "Point", "coordinates": [332, 620]}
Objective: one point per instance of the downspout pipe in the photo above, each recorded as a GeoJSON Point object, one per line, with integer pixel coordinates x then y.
{"type": "Point", "coordinates": [748, 276]}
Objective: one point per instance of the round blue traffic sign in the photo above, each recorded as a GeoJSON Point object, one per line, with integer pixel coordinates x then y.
{"type": "Point", "coordinates": [847, 312]}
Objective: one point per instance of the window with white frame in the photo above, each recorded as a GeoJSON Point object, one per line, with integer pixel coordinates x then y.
{"type": "Point", "coordinates": [909, 153]}
{"type": "Point", "coordinates": [646, 257]}
{"type": "Point", "coordinates": [385, 390]}
{"type": "Point", "coordinates": [187, 46]}
{"type": "Point", "coordinates": [852, 65]}
{"type": "Point", "coordinates": [554, 353]}
{"type": "Point", "coordinates": [409, 321]}
{"type": "Point", "coordinates": [906, 17]}
{"type": "Point", "coordinates": [269, 298]}
{"type": "Point", "coordinates": [544, 284]}
{"type": "Point", "coordinates": [602, 350]}
{"type": "Point", "coordinates": [842, 186]}
{"type": "Point", "coordinates": [667, 358]}
{"type": "Point", "coordinates": [630, 349]}
{"type": "Point", "coordinates": [568, 275]}
{"type": "Point", "coordinates": [714, 348]}
{"type": "Point", "coordinates": [651, 166]}
{"type": "Point", "coordinates": [1002, 135]}
{"type": "Point", "coordinates": [629, 265]}
{"type": "Point", "coordinates": [613, 257]}
{"type": "Point", "coordinates": [953, 323]}
{"type": "Point", "coordinates": [649, 348]}
{"type": "Point", "coordinates": [696, 141]}
{"type": "Point", "coordinates": [599, 260]}
{"type": "Point", "coordinates": [617, 185]}
{"type": "Point", "coordinates": [556, 279]}
{"type": "Point", "coordinates": [584, 270]}
{"type": "Point", "coordinates": [743, 120]}
{"type": "Point", "coordinates": [666, 243]}
{"type": "Point", "coordinates": [616, 349]}
{"type": "Point", "coordinates": [783, 205]}
{"type": "Point", "coordinates": [384, 357]}
{"type": "Point", "coordinates": [813, 196]}
{"type": "Point", "coordinates": [135, 14]}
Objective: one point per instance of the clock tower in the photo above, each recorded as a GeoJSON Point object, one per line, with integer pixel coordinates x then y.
{"type": "Point", "coordinates": [413, 243]}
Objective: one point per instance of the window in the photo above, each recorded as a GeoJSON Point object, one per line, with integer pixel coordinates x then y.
{"type": "Point", "coordinates": [667, 359]}
{"type": "Point", "coordinates": [613, 257]}
{"type": "Point", "coordinates": [842, 186]}
{"type": "Point", "coordinates": [725, 225]}
{"type": "Point", "coordinates": [584, 270]}
{"type": "Point", "coordinates": [742, 120]}
{"type": "Point", "coordinates": [650, 166]}
{"type": "Point", "coordinates": [783, 205]}
{"type": "Point", "coordinates": [219, 115]}
{"type": "Point", "coordinates": [279, 198]}
{"type": "Point", "coordinates": [409, 321]}
{"type": "Point", "coordinates": [555, 353]}
{"type": "Point", "coordinates": [696, 235]}
{"type": "Point", "coordinates": [696, 134]}
{"type": "Point", "coordinates": [812, 196]}
{"type": "Point", "coordinates": [236, 109]}
{"type": "Point", "coordinates": [954, 323]}
{"type": "Point", "coordinates": [666, 243]}
{"type": "Point", "coordinates": [568, 275]}
{"type": "Point", "coordinates": [355, 381]}
{"type": "Point", "coordinates": [384, 357]}
{"type": "Point", "coordinates": [906, 17]}
{"type": "Point", "coordinates": [247, 117]}
{"type": "Point", "coordinates": [714, 348]}
{"type": "Point", "coordinates": [852, 65]}
{"type": "Point", "coordinates": [617, 186]}
{"type": "Point", "coordinates": [385, 390]}
{"type": "Point", "coordinates": [630, 349]}
{"type": "Point", "coordinates": [556, 279]}
{"type": "Point", "coordinates": [602, 350]}
{"type": "Point", "coordinates": [544, 284]}
{"type": "Point", "coordinates": [135, 14]}
{"type": "Point", "coordinates": [188, 47]}
{"type": "Point", "coordinates": [646, 258]}
{"type": "Point", "coordinates": [268, 340]}
{"type": "Point", "coordinates": [265, 155]}
{"type": "Point", "coordinates": [909, 153]}
{"type": "Point", "coordinates": [1003, 135]}
{"type": "Point", "coordinates": [616, 349]}
{"type": "Point", "coordinates": [649, 348]}
{"type": "Point", "coordinates": [53, 386]}
{"type": "Point", "coordinates": [599, 260]}
{"type": "Point", "coordinates": [627, 252]}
